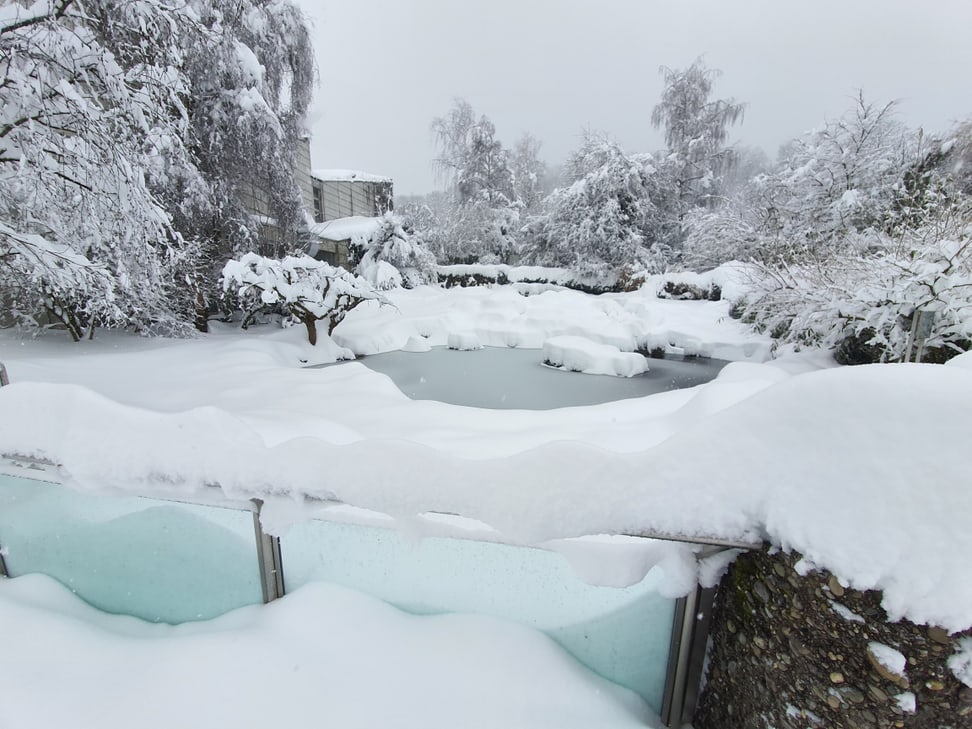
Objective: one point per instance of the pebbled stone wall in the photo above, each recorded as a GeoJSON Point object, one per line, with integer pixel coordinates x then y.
{"type": "Point", "coordinates": [797, 652]}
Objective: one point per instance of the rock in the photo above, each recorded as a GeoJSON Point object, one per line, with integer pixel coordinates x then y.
{"type": "Point", "coordinates": [836, 589]}
{"type": "Point", "coordinates": [761, 591]}
{"type": "Point", "coordinates": [851, 694]}
{"type": "Point", "coordinates": [836, 677]}
{"type": "Point", "coordinates": [939, 635]}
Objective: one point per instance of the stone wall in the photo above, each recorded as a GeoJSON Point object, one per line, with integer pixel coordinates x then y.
{"type": "Point", "coordinates": [791, 651]}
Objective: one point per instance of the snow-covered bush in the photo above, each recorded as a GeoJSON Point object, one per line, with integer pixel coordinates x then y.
{"type": "Point", "coordinates": [309, 290]}
{"type": "Point", "coordinates": [862, 303]}
{"type": "Point", "coordinates": [393, 257]}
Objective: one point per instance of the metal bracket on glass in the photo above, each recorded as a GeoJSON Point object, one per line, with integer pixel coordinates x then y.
{"type": "Point", "coordinates": [269, 559]}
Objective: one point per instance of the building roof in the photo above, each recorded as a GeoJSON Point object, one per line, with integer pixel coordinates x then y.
{"type": "Point", "coordinates": [347, 176]}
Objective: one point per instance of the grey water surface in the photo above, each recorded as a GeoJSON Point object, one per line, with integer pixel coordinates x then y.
{"type": "Point", "coordinates": [511, 378]}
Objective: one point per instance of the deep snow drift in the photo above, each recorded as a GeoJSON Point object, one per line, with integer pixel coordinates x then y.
{"type": "Point", "coordinates": [861, 469]}
{"type": "Point", "coordinates": [322, 656]}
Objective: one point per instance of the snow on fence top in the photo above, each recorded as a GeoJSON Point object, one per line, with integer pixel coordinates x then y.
{"type": "Point", "coordinates": [347, 176]}
{"type": "Point", "coordinates": [862, 470]}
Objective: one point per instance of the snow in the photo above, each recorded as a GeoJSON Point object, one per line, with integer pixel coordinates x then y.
{"type": "Point", "coordinates": [890, 658]}
{"type": "Point", "coordinates": [960, 662]}
{"type": "Point", "coordinates": [846, 613]}
{"type": "Point", "coordinates": [284, 664]}
{"type": "Point", "coordinates": [347, 176]}
{"type": "Point", "coordinates": [582, 355]}
{"type": "Point", "coordinates": [906, 702]}
{"type": "Point", "coordinates": [739, 458]}
{"type": "Point", "coordinates": [464, 341]}
{"type": "Point", "coordinates": [358, 229]}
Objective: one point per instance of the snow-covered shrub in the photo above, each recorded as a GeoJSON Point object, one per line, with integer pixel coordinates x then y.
{"type": "Point", "coordinates": [309, 290]}
{"type": "Point", "coordinates": [393, 257]}
{"type": "Point", "coordinates": [863, 303]}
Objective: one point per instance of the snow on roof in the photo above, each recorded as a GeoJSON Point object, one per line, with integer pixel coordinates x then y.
{"type": "Point", "coordinates": [860, 469]}
{"type": "Point", "coordinates": [357, 229]}
{"type": "Point", "coordinates": [347, 176]}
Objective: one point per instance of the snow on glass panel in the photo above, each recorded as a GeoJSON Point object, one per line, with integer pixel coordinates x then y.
{"type": "Point", "coordinates": [158, 560]}
{"type": "Point", "coordinates": [623, 634]}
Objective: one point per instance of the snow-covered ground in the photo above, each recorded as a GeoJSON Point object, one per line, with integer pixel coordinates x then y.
{"type": "Point", "coordinates": [322, 656]}
{"type": "Point", "coordinates": [860, 469]}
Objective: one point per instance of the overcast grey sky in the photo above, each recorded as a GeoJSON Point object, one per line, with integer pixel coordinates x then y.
{"type": "Point", "coordinates": [555, 67]}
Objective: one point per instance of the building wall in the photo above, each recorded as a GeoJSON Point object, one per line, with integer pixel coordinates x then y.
{"type": "Point", "coordinates": [792, 652]}
{"type": "Point", "coordinates": [302, 174]}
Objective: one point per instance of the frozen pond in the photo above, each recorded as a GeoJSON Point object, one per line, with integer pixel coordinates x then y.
{"type": "Point", "coordinates": [510, 378]}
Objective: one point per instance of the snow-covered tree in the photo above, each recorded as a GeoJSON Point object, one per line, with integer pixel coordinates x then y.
{"type": "Point", "coordinates": [844, 177]}
{"type": "Point", "coordinates": [529, 173]}
{"type": "Point", "coordinates": [605, 218]}
{"type": "Point", "coordinates": [394, 257]}
{"type": "Point", "coordinates": [310, 290]}
{"type": "Point", "coordinates": [130, 135]}
{"type": "Point", "coordinates": [484, 214]}
{"type": "Point", "coordinates": [250, 72]}
{"type": "Point", "coordinates": [696, 131]}
{"type": "Point", "coordinates": [861, 172]}
{"type": "Point", "coordinates": [83, 241]}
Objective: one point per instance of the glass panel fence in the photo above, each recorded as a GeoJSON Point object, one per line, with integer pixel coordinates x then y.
{"type": "Point", "coordinates": [621, 634]}
{"type": "Point", "coordinates": [158, 560]}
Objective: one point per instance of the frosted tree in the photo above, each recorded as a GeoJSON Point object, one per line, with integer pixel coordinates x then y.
{"type": "Point", "coordinates": [696, 131]}
{"type": "Point", "coordinates": [83, 242]}
{"type": "Point", "coordinates": [605, 218]}
{"type": "Point", "coordinates": [394, 257]}
{"type": "Point", "coordinates": [529, 173]}
{"type": "Point", "coordinates": [249, 65]}
{"type": "Point", "coordinates": [309, 290]}
{"type": "Point", "coordinates": [843, 177]}
{"type": "Point", "coordinates": [484, 214]}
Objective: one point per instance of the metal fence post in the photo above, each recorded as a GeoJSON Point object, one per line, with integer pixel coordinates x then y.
{"type": "Point", "coordinates": [269, 559]}
{"type": "Point", "coordinates": [686, 656]}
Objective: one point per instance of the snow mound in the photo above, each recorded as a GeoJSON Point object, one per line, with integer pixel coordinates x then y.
{"type": "Point", "coordinates": [464, 341]}
{"type": "Point", "coordinates": [382, 668]}
{"type": "Point", "coordinates": [582, 355]}
{"type": "Point", "coordinates": [417, 344]}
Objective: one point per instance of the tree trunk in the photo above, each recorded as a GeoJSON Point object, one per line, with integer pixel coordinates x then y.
{"type": "Point", "coordinates": [201, 319]}
{"type": "Point", "coordinates": [311, 323]}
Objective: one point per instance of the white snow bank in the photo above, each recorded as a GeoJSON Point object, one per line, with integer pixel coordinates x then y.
{"type": "Point", "coordinates": [861, 469]}
{"type": "Point", "coordinates": [582, 355]}
{"type": "Point", "coordinates": [284, 664]}
{"type": "Point", "coordinates": [337, 175]}
{"type": "Point", "coordinates": [358, 229]}
{"type": "Point", "coordinates": [464, 341]}
{"type": "Point", "coordinates": [501, 317]}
